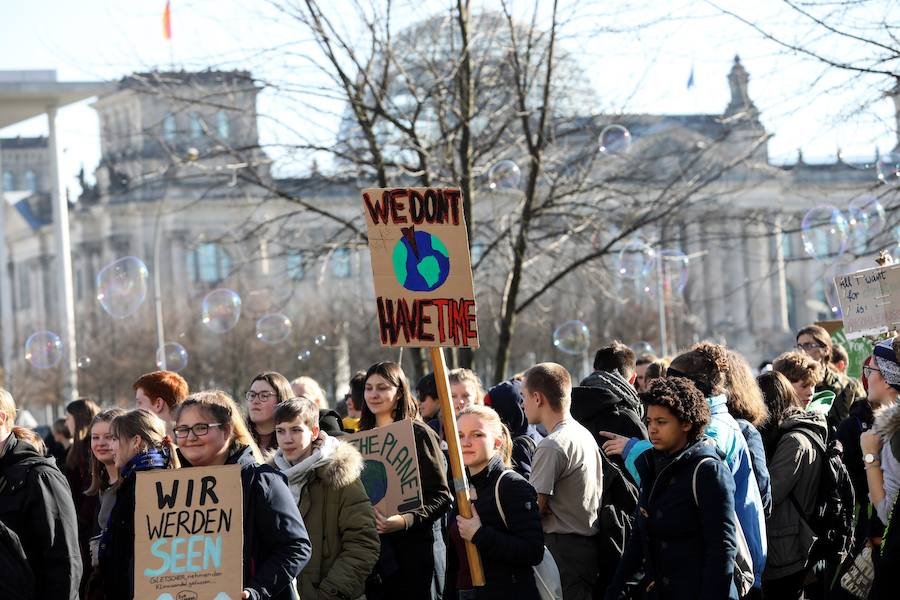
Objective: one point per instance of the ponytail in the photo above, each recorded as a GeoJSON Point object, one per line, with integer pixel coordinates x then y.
{"type": "Point", "coordinates": [492, 419]}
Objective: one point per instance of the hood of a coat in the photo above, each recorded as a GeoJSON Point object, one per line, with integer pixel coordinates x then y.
{"type": "Point", "coordinates": [243, 456]}
{"type": "Point", "coordinates": [506, 399]}
{"type": "Point", "coordinates": [862, 410]}
{"type": "Point", "coordinates": [344, 468]}
{"type": "Point", "coordinates": [600, 390]}
{"type": "Point", "coordinates": [887, 421]}
{"type": "Point", "coordinates": [816, 424]}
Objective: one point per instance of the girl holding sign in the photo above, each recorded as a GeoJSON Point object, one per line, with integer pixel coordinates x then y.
{"type": "Point", "coordinates": [413, 555]}
{"type": "Point", "coordinates": [505, 524]}
{"type": "Point", "coordinates": [210, 431]}
{"type": "Point", "coordinates": [139, 443]}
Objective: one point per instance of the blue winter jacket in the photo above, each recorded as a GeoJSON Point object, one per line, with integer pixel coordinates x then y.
{"type": "Point", "coordinates": [687, 545]}
{"type": "Point", "coordinates": [747, 501]}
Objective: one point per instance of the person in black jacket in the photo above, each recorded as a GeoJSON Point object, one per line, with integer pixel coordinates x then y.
{"type": "Point", "coordinates": [413, 556]}
{"type": "Point", "coordinates": [37, 511]}
{"type": "Point", "coordinates": [508, 536]}
{"type": "Point", "coordinates": [506, 399]}
{"type": "Point", "coordinates": [684, 533]}
{"type": "Point", "coordinates": [210, 431]}
{"type": "Point", "coordinates": [139, 443]}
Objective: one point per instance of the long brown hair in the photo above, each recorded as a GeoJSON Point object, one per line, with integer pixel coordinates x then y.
{"type": "Point", "coordinates": [283, 392]}
{"type": "Point", "coordinates": [83, 411]}
{"type": "Point", "coordinates": [779, 396]}
{"type": "Point", "coordinates": [219, 406]}
{"type": "Point", "coordinates": [405, 407]}
{"type": "Point", "coordinates": [150, 428]}
{"type": "Point", "coordinates": [745, 400]}
{"type": "Point", "coordinates": [492, 419]}
{"type": "Point", "coordinates": [99, 474]}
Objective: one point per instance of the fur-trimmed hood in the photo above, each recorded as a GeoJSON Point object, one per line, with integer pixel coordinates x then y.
{"type": "Point", "coordinates": [887, 421]}
{"type": "Point", "coordinates": [344, 468]}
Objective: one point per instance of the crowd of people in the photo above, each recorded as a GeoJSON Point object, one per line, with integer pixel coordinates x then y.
{"type": "Point", "coordinates": [678, 477]}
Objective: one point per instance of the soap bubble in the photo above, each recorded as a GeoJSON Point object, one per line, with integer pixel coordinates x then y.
{"type": "Point", "coordinates": [504, 175]}
{"type": "Point", "coordinates": [175, 354]}
{"type": "Point", "coordinates": [84, 362]}
{"type": "Point", "coordinates": [273, 328]}
{"type": "Point", "coordinates": [634, 259]}
{"type": "Point", "coordinates": [221, 310]}
{"type": "Point", "coordinates": [122, 286]}
{"type": "Point", "coordinates": [642, 347]}
{"type": "Point", "coordinates": [824, 232]}
{"type": "Point", "coordinates": [888, 168]}
{"type": "Point", "coordinates": [675, 270]}
{"type": "Point", "coordinates": [614, 139]}
{"type": "Point", "coordinates": [304, 355]}
{"type": "Point", "coordinates": [320, 339]}
{"type": "Point", "coordinates": [866, 218]}
{"type": "Point", "coordinates": [43, 350]}
{"type": "Point", "coordinates": [572, 337]}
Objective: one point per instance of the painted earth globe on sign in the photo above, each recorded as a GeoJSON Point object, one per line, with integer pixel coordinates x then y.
{"type": "Point", "coordinates": [421, 261]}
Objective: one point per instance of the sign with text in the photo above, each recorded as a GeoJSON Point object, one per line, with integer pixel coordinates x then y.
{"type": "Point", "coordinates": [870, 300]}
{"type": "Point", "coordinates": [421, 266]}
{"type": "Point", "coordinates": [188, 534]}
{"type": "Point", "coordinates": [391, 472]}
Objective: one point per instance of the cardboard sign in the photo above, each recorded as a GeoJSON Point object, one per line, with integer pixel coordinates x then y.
{"type": "Point", "coordinates": [391, 472]}
{"type": "Point", "coordinates": [870, 300]}
{"type": "Point", "coordinates": [188, 540]}
{"type": "Point", "coordinates": [421, 266]}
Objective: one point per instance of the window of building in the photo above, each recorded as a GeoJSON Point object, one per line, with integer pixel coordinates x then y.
{"type": "Point", "coordinates": [791, 306]}
{"type": "Point", "coordinates": [340, 263]}
{"type": "Point", "coordinates": [30, 181]}
{"type": "Point", "coordinates": [196, 126]}
{"type": "Point", "coordinates": [295, 267]}
{"type": "Point", "coordinates": [170, 129]}
{"type": "Point", "coordinates": [9, 181]}
{"type": "Point", "coordinates": [208, 263]}
{"type": "Point", "coordinates": [24, 287]}
{"type": "Point", "coordinates": [223, 126]}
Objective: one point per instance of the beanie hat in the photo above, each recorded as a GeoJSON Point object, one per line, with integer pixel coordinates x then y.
{"type": "Point", "coordinates": [886, 359]}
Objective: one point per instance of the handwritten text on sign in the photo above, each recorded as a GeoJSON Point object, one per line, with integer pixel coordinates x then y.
{"type": "Point", "coordinates": [870, 300]}
{"type": "Point", "coordinates": [188, 534]}
{"type": "Point", "coordinates": [421, 267]}
{"type": "Point", "coordinates": [391, 473]}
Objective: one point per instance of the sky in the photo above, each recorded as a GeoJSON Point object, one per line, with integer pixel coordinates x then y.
{"type": "Point", "coordinates": [637, 55]}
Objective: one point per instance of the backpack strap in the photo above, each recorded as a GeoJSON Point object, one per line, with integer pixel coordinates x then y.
{"type": "Point", "coordinates": [791, 496]}
{"type": "Point", "coordinates": [497, 497]}
{"type": "Point", "coordinates": [694, 478]}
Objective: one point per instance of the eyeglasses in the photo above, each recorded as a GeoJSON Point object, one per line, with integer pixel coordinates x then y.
{"type": "Point", "coordinates": [867, 370]}
{"type": "Point", "coordinates": [810, 346]}
{"type": "Point", "coordinates": [261, 396]}
{"type": "Point", "coordinates": [198, 430]}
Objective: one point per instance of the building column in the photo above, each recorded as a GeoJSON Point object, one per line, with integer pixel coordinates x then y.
{"type": "Point", "coordinates": [66, 304]}
{"type": "Point", "coordinates": [735, 275]}
{"type": "Point", "coordinates": [779, 280]}
{"type": "Point", "coordinates": [6, 317]}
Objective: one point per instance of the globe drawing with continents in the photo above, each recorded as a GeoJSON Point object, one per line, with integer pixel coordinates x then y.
{"type": "Point", "coordinates": [421, 261]}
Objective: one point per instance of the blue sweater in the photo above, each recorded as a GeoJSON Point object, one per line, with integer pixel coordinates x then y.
{"type": "Point", "coordinates": [747, 501]}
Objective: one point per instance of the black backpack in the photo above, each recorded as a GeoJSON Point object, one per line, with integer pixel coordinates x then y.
{"type": "Point", "coordinates": [618, 503]}
{"type": "Point", "coordinates": [832, 517]}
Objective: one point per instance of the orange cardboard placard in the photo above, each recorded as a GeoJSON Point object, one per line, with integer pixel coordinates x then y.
{"type": "Point", "coordinates": [188, 540]}
{"type": "Point", "coordinates": [421, 266]}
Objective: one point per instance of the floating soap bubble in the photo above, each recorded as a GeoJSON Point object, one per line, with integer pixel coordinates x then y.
{"type": "Point", "coordinates": [122, 286]}
{"type": "Point", "coordinates": [866, 218]}
{"type": "Point", "coordinates": [320, 339]}
{"type": "Point", "coordinates": [888, 168]}
{"type": "Point", "coordinates": [614, 139]}
{"type": "Point", "coordinates": [84, 362]}
{"type": "Point", "coordinates": [634, 259]}
{"type": "Point", "coordinates": [304, 355]}
{"type": "Point", "coordinates": [675, 271]}
{"type": "Point", "coordinates": [43, 350]}
{"type": "Point", "coordinates": [273, 328]}
{"type": "Point", "coordinates": [824, 232]}
{"type": "Point", "coordinates": [176, 357]}
{"type": "Point", "coordinates": [221, 310]}
{"type": "Point", "coordinates": [504, 175]}
{"type": "Point", "coordinates": [642, 347]}
{"type": "Point", "coordinates": [572, 337]}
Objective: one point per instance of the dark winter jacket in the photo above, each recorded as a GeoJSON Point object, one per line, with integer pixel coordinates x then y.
{"type": "Point", "coordinates": [506, 399]}
{"type": "Point", "coordinates": [413, 561]}
{"type": "Point", "coordinates": [508, 552]}
{"type": "Point", "coordinates": [758, 459]}
{"type": "Point", "coordinates": [887, 564]}
{"type": "Point", "coordinates": [276, 545]}
{"type": "Point", "coordinates": [687, 544]}
{"type": "Point", "coordinates": [861, 419]}
{"type": "Point", "coordinates": [845, 393]}
{"type": "Point", "coordinates": [86, 508]}
{"type": "Point", "coordinates": [795, 468]}
{"type": "Point", "coordinates": [617, 386]}
{"type": "Point", "coordinates": [36, 505]}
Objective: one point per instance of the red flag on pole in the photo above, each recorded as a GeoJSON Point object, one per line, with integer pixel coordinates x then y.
{"type": "Point", "coordinates": [167, 22]}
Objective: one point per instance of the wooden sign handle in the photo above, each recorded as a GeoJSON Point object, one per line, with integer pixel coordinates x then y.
{"type": "Point", "coordinates": [451, 435]}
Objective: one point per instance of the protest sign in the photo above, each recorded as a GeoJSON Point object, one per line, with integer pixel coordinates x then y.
{"type": "Point", "coordinates": [188, 540]}
{"type": "Point", "coordinates": [391, 472]}
{"type": "Point", "coordinates": [870, 300]}
{"type": "Point", "coordinates": [421, 265]}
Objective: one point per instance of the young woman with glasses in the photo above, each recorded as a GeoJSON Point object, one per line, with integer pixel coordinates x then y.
{"type": "Point", "coordinates": [210, 431]}
{"type": "Point", "coordinates": [267, 390]}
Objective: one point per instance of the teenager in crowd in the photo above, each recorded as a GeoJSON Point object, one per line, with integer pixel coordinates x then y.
{"type": "Point", "coordinates": [210, 432]}
{"type": "Point", "coordinates": [355, 398]}
{"type": "Point", "coordinates": [802, 371]}
{"type": "Point", "coordinates": [36, 506]}
{"type": "Point", "coordinates": [309, 387]}
{"type": "Point", "coordinates": [267, 390]}
{"type": "Point", "coordinates": [323, 475]}
{"type": "Point", "coordinates": [160, 392]}
{"type": "Point", "coordinates": [684, 533]}
{"type": "Point", "coordinates": [567, 473]}
{"type": "Point", "coordinates": [139, 443]}
{"type": "Point", "coordinates": [429, 403]}
{"type": "Point", "coordinates": [104, 477]}
{"type": "Point", "coordinates": [413, 555]}
{"type": "Point", "coordinates": [706, 365]}
{"type": "Point", "coordinates": [746, 405]}
{"type": "Point", "coordinates": [79, 414]}
{"type": "Point", "coordinates": [508, 535]}
{"type": "Point", "coordinates": [640, 370]}
{"type": "Point", "coordinates": [815, 342]}
{"type": "Point", "coordinates": [465, 388]}
{"type": "Point", "coordinates": [799, 440]}
{"type": "Point", "coordinates": [506, 398]}
{"type": "Point", "coordinates": [59, 442]}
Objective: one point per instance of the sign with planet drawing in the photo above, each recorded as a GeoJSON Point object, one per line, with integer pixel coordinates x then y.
{"type": "Point", "coordinates": [421, 265]}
